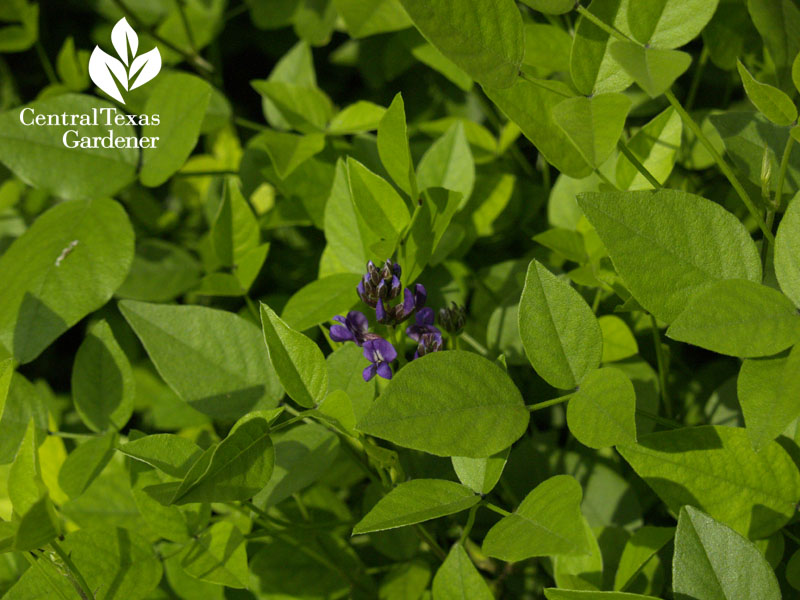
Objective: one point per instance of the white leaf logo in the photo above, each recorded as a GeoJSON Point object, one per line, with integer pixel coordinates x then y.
{"type": "Point", "coordinates": [131, 72]}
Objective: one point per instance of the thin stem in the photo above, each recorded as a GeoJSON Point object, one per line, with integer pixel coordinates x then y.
{"type": "Point", "coordinates": [46, 64]}
{"type": "Point", "coordinates": [605, 179]}
{"type": "Point", "coordinates": [605, 27]}
{"type": "Point", "coordinates": [474, 343]}
{"type": "Point", "coordinates": [252, 308]}
{"type": "Point", "coordinates": [186, 26]}
{"type": "Point", "coordinates": [82, 587]}
{"type": "Point", "coordinates": [497, 509]}
{"type": "Point", "coordinates": [205, 173]}
{"type": "Point", "coordinates": [697, 77]}
{"type": "Point", "coordinates": [72, 436]}
{"type": "Point", "coordinates": [248, 124]}
{"type": "Point", "coordinates": [470, 523]}
{"type": "Point", "coordinates": [721, 163]}
{"type": "Point", "coordinates": [596, 301]}
{"type": "Point", "coordinates": [300, 416]}
{"type": "Point", "coordinates": [34, 562]}
{"type": "Point", "coordinates": [662, 366]}
{"type": "Point", "coordinates": [658, 419]}
{"type": "Point", "coordinates": [638, 164]}
{"type": "Point", "coordinates": [537, 83]}
{"type": "Point", "coordinates": [549, 403]}
{"type": "Point", "coordinates": [791, 536]}
{"type": "Point", "coordinates": [426, 536]}
{"type": "Point", "coordinates": [235, 12]}
{"type": "Point", "coordinates": [787, 153]}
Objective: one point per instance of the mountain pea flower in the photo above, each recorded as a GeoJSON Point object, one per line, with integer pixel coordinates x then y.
{"type": "Point", "coordinates": [353, 328]}
{"type": "Point", "coordinates": [453, 317]}
{"type": "Point", "coordinates": [379, 353]}
{"type": "Point", "coordinates": [424, 326]}
{"type": "Point", "coordinates": [428, 342]}
{"type": "Point", "coordinates": [380, 284]}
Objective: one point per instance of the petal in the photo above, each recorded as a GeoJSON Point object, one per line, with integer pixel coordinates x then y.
{"type": "Point", "coordinates": [340, 333]}
{"type": "Point", "coordinates": [357, 321]}
{"type": "Point", "coordinates": [420, 295]}
{"type": "Point", "coordinates": [384, 370]}
{"type": "Point", "coordinates": [408, 302]}
{"type": "Point", "coordinates": [369, 349]}
{"type": "Point", "coordinates": [425, 316]}
{"type": "Point", "coordinates": [385, 349]}
{"type": "Point", "coordinates": [380, 312]}
{"type": "Point", "coordinates": [369, 372]}
{"type": "Point", "coordinates": [414, 332]}
{"type": "Point", "coordinates": [340, 319]}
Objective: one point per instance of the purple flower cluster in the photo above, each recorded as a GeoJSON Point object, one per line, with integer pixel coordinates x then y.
{"type": "Point", "coordinates": [377, 289]}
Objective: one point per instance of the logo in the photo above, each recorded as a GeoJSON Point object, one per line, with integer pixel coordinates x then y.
{"type": "Point", "coordinates": [129, 71]}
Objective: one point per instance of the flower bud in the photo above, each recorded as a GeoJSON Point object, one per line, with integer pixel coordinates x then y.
{"type": "Point", "coordinates": [453, 317]}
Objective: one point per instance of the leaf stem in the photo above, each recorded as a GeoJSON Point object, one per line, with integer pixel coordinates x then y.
{"type": "Point", "coordinates": [721, 163]}
{"type": "Point", "coordinates": [470, 522]}
{"type": "Point", "coordinates": [549, 403]}
{"type": "Point", "coordinates": [787, 153]}
{"type": "Point", "coordinates": [46, 64]}
{"type": "Point", "coordinates": [429, 539]}
{"type": "Point", "coordinates": [482, 350]}
{"type": "Point", "coordinates": [248, 124]}
{"type": "Point", "coordinates": [189, 35]}
{"type": "Point", "coordinates": [662, 366]}
{"type": "Point", "coordinates": [602, 25]}
{"type": "Point", "coordinates": [698, 76]}
{"type": "Point", "coordinates": [299, 417]}
{"type": "Point", "coordinates": [605, 179]}
{"type": "Point", "coordinates": [205, 173]}
{"type": "Point", "coordinates": [495, 508]}
{"type": "Point", "coordinates": [658, 419]}
{"type": "Point", "coordinates": [634, 160]}
{"type": "Point", "coordinates": [80, 583]}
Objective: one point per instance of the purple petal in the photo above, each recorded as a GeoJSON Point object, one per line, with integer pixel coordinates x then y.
{"type": "Point", "coordinates": [384, 370]}
{"type": "Point", "coordinates": [360, 289]}
{"type": "Point", "coordinates": [340, 319]}
{"type": "Point", "coordinates": [414, 332]}
{"type": "Point", "coordinates": [369, 350]}
{"type": "Point", "coordinates": [425, 316]}
{"type": "Point", "coordinates": [397, 270]}
{"type": "Point", "coordinates": [408, 302]}
{"type": "Point", "coordinates": [385, 349]}
{"type": "Point", "coordinates": [369, 372]}
{"type": "Point", "coordinates": [380, 311]}
{"type": "Point", "coordinates": [340, 333]}
{"type": "Point", "coordinates": [420, 296]}
{"type": "Point", "coordinates": [357, 321]}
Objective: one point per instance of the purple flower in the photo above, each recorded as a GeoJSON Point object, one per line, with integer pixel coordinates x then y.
{"type": "Point", "coordinates": [420, 295]}
{"type": "Point", "coordinates": [380, 353]}
{"type": "Point", "coordinates": [380, 284]}
{"type": "Point", "coordinates": [424, 326]}
{"type": "Point", "coordinates": [428, 342]}
{"type": "Point", "coordinates": [353, 328]}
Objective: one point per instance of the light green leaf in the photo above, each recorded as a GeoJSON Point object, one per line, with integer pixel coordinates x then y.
{"type": "Point", "coordinates": [716, 469]}
{"type": "Point", "coordinates": [594, 70]}
{"type": "Point", "coordinates": [480, 474]}
{"type": "Point", "coordinates": [547, 49]}
{"type": "Point", "coordinates": [297, 360]}
{"type": "Point", "coordinates": [769, 100]}
{"type": "Point", "coordinates": [214, 360]}
{"type": "Point", "coordinates": [551, 7]}
{"type": "Point", "coordinates": [479, 402]}
{"type": "Point", "coordinates": [558, 329]}
{"type": "Point", "coordinates": [359, 117]}
{"type": "Point", "coordinates": [559, 594]}
{"type": "Point", "coordinates": [669, 23]}
{"type": "Point", "coordinates": [235, 231]}
{"type": "Point", "coordinates": [618, 341]}
{"type": "Point", "coordinates": [416, 501]}
{"type": "Point", "coordinates": [289, 150]}
{"type": "Point", "coordinates": [530, 106]}
{"type": "Point", "coordinates": [582, 571]}
{"type": "Point", "coordinates": [346, 232]}
{"type": "Point", "coordinates": [24, 402]}
{"type": "Point", "coordinates": [768, 389]}
{"type": "Point", "coordinates": [85, 463]}
{"type": "Point", "coordinates": [38, 526]}
{"type": "Point", "coordinates": [643, 231]}
{"type": "Point", "coordinates": [796, 72]}
{"type": "Point", "coordinates": [656, 146]}
{"type": "Point", "coordinates": [639, 549]}
{"type": "Point", "coordinates": [393, 147]}
{"type": "Point", "coordinates": [25, 485]}
{"type": "Point", "coordinates": [594, 125]}
{"type": "Point", "coordinates": [321, 300]}
{"type": "Point", "coordinates": [652, 69]}
{"type": "Point", "coordinates": [457, 578]}
{"type": "Point", "coordinates": [548, 522]}
{"type": "Point", "coordinates": [738, 317]}
{"type": "Point", "coordinates": [218, 556]}
{"type": "Point", "coordinates": [72, 66]}
{"type": "Point", "coordinates": [344, 373]}
{"type": "Point", "coordinates": [713, 561]}
{"type": "Point", "coordinates": [6, 371]}
{"type": "Point", "coordinates": [304, 108]}
{"type": "Point", "coordinates": [778, 22]}
{"type": "Point", "coordinates": [448, 163]}
{"type": "Point", "coordinates": [45, 287]}
{"type": "Point", "coordinates": [787, 252]}
{"type": "Point", "coordinates": [31, 151]}
{"type": "Point", "coordinates": [181, 101]}
{"type": "Point", "coordinates": [603, 410]}
{"type": "Point", "coordinates": [161, 271]}
{"type": "Point", "coordinates": [369, 17]}
{"type": "Point", "coordinates": [429, 55]}
{"type": "Point", "coordinates": [482, 37]}
{"type": "Point", "coordinates": [172, 454]}
{"type": "Point", "coordinates": [103, 388]}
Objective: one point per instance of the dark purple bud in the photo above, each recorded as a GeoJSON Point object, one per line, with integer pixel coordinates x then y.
{"type": "Point", "coordinates": [394, 291]}
{"type": "Point", "coordinates": [420, 295]}
{"type": "Point", "coordinates": [423, 326]}
{"type": "Point", "coordinates": [452, 318]}
{"type": "Point", "coordinates": [381, 314]}
{"type": "Point", "coordinates": [429, 342]}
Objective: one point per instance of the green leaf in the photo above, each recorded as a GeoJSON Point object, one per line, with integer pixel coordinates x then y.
{"type": "Point", "coordinates": [240, 466]}
{"type": "Point", "coordinates": [23, 402]}
{"type": "Point", "coordinates": [321, 300]}
{"type": "Point", "coordinates": [218, 556]}
{"type": "Point", "coordinates": [297, 360]}
{"type": "Point", "coordinates": [739, 318]}
{"type": "Point", "coordinates": [594, 125]}
{"type": "Point", "coordinates": [457, 578]}
{"type": "Point", "coordinates": [6, 371]}
{"type": "Point", "coordinates": [304, 108]}
{"type": "Point", "coordinates": [787, 252]}
{"type": "Point", "coordinates": [214, 360]}
{"type": "Point", "coordinates": [161, 271]}
{"type": "Point", "coordinates": [656, 146]}
{"type": "Point", "coordinates": [346, 232]}
{"type": "Point", "coordinates": [559, 594]}
{"type": "Point", "coordinates": [770, 101]}
{"type": "Point", "coordinates": [618, 341]}
{"type": "Point", "coordinates": [713, 561]}
{"type": "Point", "coordinates": [288, 150]}
{"type": "Point", "coordinates": [669, 23]}
{"type": "Point", "coordinates": [32, 151]}
{"type": "Point", "coordinates": [594, 70]}
{"type": "Point", "coordinates": [551, 7]}
{"type": "Point", "coordinates": [416, 501]}
{"type": "Point", "coordinates": [479, 402]}
{"type": "Point", "coordinates": [448, 163]}
{"type": "Point", "coordinates": [716, 469]}
{"type": "Point", "coordinates": [603, 410]}
{"type": "Point", "coordinates": [181, 101]}
{"type": "Point", "coordinates": [25, 486]}
{"type": "Point", "coordinates": [45, 287]}
{"type": "Point", "coordinates": [484, 38]}
{"type": "Point", "coordinates": [652, 69]}
{"type": "Point", "coordinates": [235, 231]}
{"type": "Point", "coordinates": [558, 329]}
{"type": "Point", "coordinates": [639, 549]}
{"type": "Point", "coordinates": [778, 22]}
{"type": "Point", "coordinates": [529, 104]}
{"type": "Point", "coordinates": [796, 72]}
{"type": "Point", "coordinates": [480, 474]}
{"type": "Point", "coordinates": [768, 389]}
{"type": "Point", "coordinates": [393, 147]}
{"type": "Point", "coordinates": [72, 66]}
{"type": "Point", "coordinates": [547, 523]}
{"type": "Point", "coordinates": [85, 463]}
{"type": "Point", "coordinates": [102, 380]}
{"type": "Point", "coordinates": [644, 233]}
{"type": "Point", "coordinates": [359, 117]}
{"type": "Point", "coordinates": [369, 17]}
{"type": "Point", "coordinates": [172, 454]}
{"type": "Point", "coordinates": [38, 526]}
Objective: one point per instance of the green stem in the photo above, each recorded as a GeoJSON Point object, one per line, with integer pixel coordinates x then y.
{"type": "Point", "coordinates": [73, 436]}
{"type": "Point", "coordinates": [82, 587]}
{"type": "Point", "coordinates": [497, 509]}
{"type": "Point", "coordinates": [698, 76]}
{"type": "Point", "coordinates": [638, 164]}
{"type": "Point", "coordinates": [46, 64]}
{"type": "Point", "coordinates": [186, 26]}
{"type": "Point", "coordinates": [470, 523]}
{"type": "Point", "coordinates": [605, 27]}
{"type": "Point", "coordinates": [658, 419]}
{"type": "Point", "coordinates": [248, 124]}
{"type": "Point", "coordinates": [474, 343]}
{"type": "Point", "coordinates": [205, 173]}
{"type": "Point", "coordinates": [537, 83]}
{"type": "Point", "coordinates": [426, 536]}
{"type": "Point", "coordinates": [791, 536]}
{"type": "Point", "coordinates": [605, 179]}
{"type": "Point", "coordinates": [662, 366]}
{"type": "Point", "coordinates": [721, 163]}
{"type": "Point", "coordinates": [549, 403]}
{"type": "Point", "coordinates": [596, 301]}
{"type": "Point", "coordinates": [787, 153]}
{"type": "Point", "coordinates": [252, 308]}
{"type": "Point", "coordinates": [300, 416]}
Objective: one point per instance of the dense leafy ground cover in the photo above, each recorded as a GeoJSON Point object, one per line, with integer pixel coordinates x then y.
{"type": "Point", "coordinates": [399, 299]}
